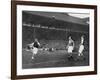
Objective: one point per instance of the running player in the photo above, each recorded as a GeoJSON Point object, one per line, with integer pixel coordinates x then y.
{"type": "Point", "coordinates": [35, 47]}
{"type": "Point", "coordinates": [70, 45]}
{"type": "Point", "coordinates": [81, 47]}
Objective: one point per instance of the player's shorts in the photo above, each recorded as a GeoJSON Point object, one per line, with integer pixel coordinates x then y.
{"type": "Point", "coordinates": [34, 50]}
{"type": "Point", "coordinates": [70, 49]}
{"type": "Point", "coordinates": [81, 48]}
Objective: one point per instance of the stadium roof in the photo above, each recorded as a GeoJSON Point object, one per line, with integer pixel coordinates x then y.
{"type": "Point", "coordinates": [55, 19]}
{"type": "Point", "coordinates": [60, 16]}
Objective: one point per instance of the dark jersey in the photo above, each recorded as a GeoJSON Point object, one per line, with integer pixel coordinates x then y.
{"type": "Point", "coordinates": [36, 45]}
{"type": "Point", "coordinates": [71, 43]}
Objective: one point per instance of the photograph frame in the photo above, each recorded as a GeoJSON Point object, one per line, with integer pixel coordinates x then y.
{"type": "Point", "coordinates": [14, 39]}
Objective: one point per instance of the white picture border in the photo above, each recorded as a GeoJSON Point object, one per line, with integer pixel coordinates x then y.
{"type": "Point", "coordinates": [35, 71]}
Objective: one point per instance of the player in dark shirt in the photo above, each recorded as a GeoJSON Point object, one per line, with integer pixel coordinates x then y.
{"type": "Point", "coordinates": [34, 50]}
{"type": "Point", "coordinates": [36, 43]}
{"type": "Point", "coordinates": [70, 48]}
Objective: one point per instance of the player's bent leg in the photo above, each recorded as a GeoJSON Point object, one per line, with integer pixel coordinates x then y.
{"type": "Point", "coordinates": [78, 54]}
{"type": "Point", "coordinates": [33, 56]}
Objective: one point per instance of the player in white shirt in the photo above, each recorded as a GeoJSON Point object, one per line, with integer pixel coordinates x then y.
{"type": "Point", "coordinates": [81, 47]}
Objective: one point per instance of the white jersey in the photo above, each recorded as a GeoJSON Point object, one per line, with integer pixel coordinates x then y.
{"type": "Point", "coordinates": [81, 47]}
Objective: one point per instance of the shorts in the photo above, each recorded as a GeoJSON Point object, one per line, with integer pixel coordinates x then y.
{"type": "Point", "coordinates": [70, 49]}
{"type": "Point", "coordinates": [34, 50]}
{"type": "Point", "coordinates": [81, 48]}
